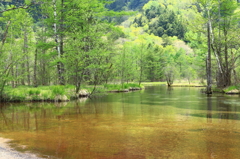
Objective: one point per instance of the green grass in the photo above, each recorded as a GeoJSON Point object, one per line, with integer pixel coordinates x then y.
{"type": "Point", "coordinates": [153, 83]}
{"type": "Point", "coordinates": [49, 93]}
{"type": "Point", "coordinates": [118, 87]}
{"type": "Point", "coordinates": [58, 90]}
{"type": "Point", "coordinates": [28, 93]}
{"type": "Point", "coordinates": [231, 88]}
{"type": "Point", "coordinates": [215, 89]}
{"type": "Point", "coordinates": [176, 83]}
{"type": "Point", "coordinates": [111, 87]}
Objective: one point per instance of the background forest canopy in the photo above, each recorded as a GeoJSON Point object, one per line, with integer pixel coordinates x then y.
{"type": "Point", "coordinates": [50, 42]}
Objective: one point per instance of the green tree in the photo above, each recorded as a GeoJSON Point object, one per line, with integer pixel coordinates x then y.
{"type": "Point", "coordinates": [87, 55]}
{"type": "Point", "coordinates": [221, 21]}
{"type": "Point", "coordinates": [160, 20]}
{"type": "Point", "coordinates": [170, 69]}
{"type": "Point", "coordinates": [16, 47]}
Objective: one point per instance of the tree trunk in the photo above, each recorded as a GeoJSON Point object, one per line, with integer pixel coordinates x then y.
{"type": "Point", "coordinates": [26, 55]}
{"type": "Point", "coordinates": [35, 69]}
{"type": "Point", "coordinates": [59, 43]}
{"type": "Point", "coordinates": [208, 62]}
{"type": "Point", "coordinates": [141, 74]}
{"type": "Point", "coordinates": [141, 65]}
{"type": "Point", "coordinates": [169, 80]}
{"type": "Point", "coordinates": [17, 82]}
{"type": "Point", "coordinates": [169, 83]}
{"type": "Point", "coordinates": [23, 65]}
{"type": "Point", "coordinates": [235, 77]}
{"type": "Point", "coordinates": [12, 70]}
{"type": "Point", "coordinates": [12, 82]}
{"type": "Point", "coordinates": [5, 36]}
{"type": "Point", "coordinates": [28, 71]}
{"type": "Point", "coordinates": [43, 61]}
{"type": "Point", "coordinates": [22, 73]}
{"type": "Point", "coordinates": [78, 83]}
{"type": "Point", "coordinates": [62, 82]}
{"type": "Point", "coordinates": [223, 79]}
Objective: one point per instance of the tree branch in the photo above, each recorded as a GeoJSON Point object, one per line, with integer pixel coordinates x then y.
{"type": "Point", "coordinates": [5, 34]}
{"type": "Point", "coordinates": [19, 7]}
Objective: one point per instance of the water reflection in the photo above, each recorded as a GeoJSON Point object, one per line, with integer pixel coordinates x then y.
{"type": "Point", "coordinates": [144, 124]}
{"type": "Point", "coordinates": [209, 108]}
{"type": "Point", "coordinates": [220, 107]}
{"type": "Point", "coordinates": [169, 89]}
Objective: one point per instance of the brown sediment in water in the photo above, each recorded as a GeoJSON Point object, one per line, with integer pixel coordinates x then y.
{"type": "Point", "coordinates": [108, 137]}
{"type": "Point", "coordinates": [161, 124]}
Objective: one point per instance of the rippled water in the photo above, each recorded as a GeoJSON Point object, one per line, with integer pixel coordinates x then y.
{"type": "Point", "coordinates": [153, 123]}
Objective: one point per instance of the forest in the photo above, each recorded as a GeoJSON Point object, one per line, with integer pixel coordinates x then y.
{"type": "Point", "coordinates": [78, 43]}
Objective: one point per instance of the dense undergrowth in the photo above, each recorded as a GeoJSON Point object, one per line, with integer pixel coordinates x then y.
{"type": "Point", "coordinates": [119, 87]}
{"type": "Point", "coordinates": [67, 92]}
{"type": "Point", "coordinates": [41, 93]}
{"type": "Point", "coordinates": [57, 92]}
{"type": "Point", "coordinates": [231, 88]}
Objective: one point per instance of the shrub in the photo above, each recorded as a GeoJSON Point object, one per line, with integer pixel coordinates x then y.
{"type": "Point", "coordinates": [230, 88]}
{"type": "Point", "coordinates": [30, 92]}
{"type": "Point", "coordinates": [58, 90]}
{"type": "Point", "coordinates": [128, 85]}
{"type": "Point", "coordinates": [34, 91]}
{"type": "Point", "coordinates": [45, 96]}
{"type": "Point", "coordinates": [111, 87]}
{"type": "Point", "coordinates": [37, 92]}
{"type": "Point", "coordinates": [120, 86]}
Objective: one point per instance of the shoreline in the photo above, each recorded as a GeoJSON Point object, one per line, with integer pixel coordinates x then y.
{"type": "Point", "coordinates": [6, 152]}
{"type": "Point", "coordinates": [49, 95]}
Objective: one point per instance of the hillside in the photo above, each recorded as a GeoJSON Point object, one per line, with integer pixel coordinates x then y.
{"type": "Point", "coordinates": [119, 5]}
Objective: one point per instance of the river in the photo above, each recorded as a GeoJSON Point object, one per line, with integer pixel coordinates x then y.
{"type": "Point", "coordinates": [157, 122]}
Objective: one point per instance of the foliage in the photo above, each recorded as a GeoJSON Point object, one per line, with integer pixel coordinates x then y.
{"type": "Point", "coordinates": [41, 93]}
{"type": "Point", "coordinates": [58, 90]}
{"type": "Point", "coordinates": [15, 47]}
{"type": "Point", "coordinates": [111, 87]}
{"type": "Point", "coordinates": [35, 91]}
{"type": "Point", "coordinates": [231, 88]}
{"type": "Point", "coordinates": [222, 19]}
{"type": "Point", "coordinates": [68, 45]}
{"type": "Point", "coordinates": [119, 5]}
{"type": "Point", "coordinates": [160, 20]}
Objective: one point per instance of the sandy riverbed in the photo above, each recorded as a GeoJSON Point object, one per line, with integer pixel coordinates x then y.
{"type": "Point", "coordinates": [8, 153]}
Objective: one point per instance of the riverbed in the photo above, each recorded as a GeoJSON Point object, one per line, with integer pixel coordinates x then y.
{"type": "Point", "coordinates": [158, 122]}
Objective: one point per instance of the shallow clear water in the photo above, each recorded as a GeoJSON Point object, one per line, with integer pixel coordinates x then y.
{"type": "Point", "coordinates": [153, 123]}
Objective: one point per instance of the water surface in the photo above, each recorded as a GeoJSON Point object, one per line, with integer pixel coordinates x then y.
{"type": "Point", "coordinates": [153, 123]}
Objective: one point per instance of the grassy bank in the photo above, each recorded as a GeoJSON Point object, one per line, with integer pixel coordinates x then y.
{"type": "Point", "coordinates": [65, 93]}
{"type": "Point", "coordinates": [41, 93]}
{"type": "Point", "coordinates": [234, 89]}
{"type": "Point", "coordinates": [177, 83]}
{"type": "Point", "coordinates": [60, 93]}
{"type": "Point", "coordinates": [122, 87]}
{"type": "Point", "coordinates": [57, 93]}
